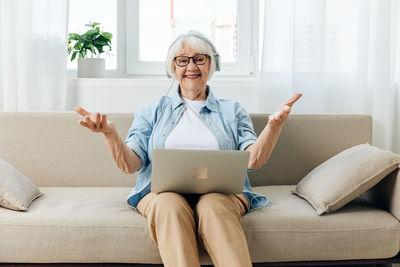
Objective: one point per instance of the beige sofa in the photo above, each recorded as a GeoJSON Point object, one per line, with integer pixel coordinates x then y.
{"type": "Point", "coordinates": [83, 215]}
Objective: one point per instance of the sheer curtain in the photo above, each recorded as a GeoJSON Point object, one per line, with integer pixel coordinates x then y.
{"type": "Point", "coordinates": [33, 45]}
{"type": "Point", "coordinates": [343, 55]}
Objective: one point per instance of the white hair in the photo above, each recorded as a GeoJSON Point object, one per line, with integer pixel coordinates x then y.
{"type": "Point", "coordinates": [201, 46]}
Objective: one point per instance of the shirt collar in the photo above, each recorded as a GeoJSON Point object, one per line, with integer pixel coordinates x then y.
{"type": "Point", "coordinates": [211, 101]}
{"type": "Point", "coordinates": [176, 98]}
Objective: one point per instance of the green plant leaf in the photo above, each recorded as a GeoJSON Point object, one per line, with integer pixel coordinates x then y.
{"type": "Point", "coordinates": [100, 42]}
{"type": "Point", "coordinates": [78, 45]}
{"type": "Point", "coordinates": [90, 34]}
{"type": "Point", "coordinates": [107, 35]}
{"type": "Point", "coordinates": [93, 40]}
{"type": "Point", "coordinates": [84, 39]}
{"type": "Point", "coordinates": [99, 48]}
{"type": "Point", "coordinates": [74, 55]}
{"type": "Point", "coordinates": [92, 48]}
{"type": "Point", "coordinates": [103, 39]}
{"type": "Point", "coordinates": [74, 36]}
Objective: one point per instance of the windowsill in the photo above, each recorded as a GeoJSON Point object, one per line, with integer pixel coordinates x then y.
{"type": "Point", "coordinates": [114, 76]}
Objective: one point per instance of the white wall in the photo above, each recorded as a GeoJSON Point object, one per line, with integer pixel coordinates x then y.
{"type": "Point", "coordinates": [127, 95]}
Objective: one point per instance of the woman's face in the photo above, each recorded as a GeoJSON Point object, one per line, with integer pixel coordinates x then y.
{"type": "Point", "coordinates": [192, 77]}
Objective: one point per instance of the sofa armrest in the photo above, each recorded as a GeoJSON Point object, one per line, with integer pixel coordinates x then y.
{"type": "Point", "coordinates": [386, 194]}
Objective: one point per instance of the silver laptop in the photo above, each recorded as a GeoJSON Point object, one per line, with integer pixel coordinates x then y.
{"type": "Point", "coordinates": [199, 171]}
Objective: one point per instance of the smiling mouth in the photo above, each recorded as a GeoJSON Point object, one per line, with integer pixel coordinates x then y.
{"type": "Point", "coordinates": [192, 76]}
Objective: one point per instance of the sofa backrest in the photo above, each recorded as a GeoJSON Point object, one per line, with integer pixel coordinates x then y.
{"type": "Point", "coordinates": [52, 149]}
{"type": "Point", "coordinates": [305, 142]}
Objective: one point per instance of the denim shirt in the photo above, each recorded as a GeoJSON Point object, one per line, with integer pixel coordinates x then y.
{"type": "Point", "coordinates": [226, 119]}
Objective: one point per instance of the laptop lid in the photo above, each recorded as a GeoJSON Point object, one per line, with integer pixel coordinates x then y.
{"type": "Point", "coordinates": [199, 171]}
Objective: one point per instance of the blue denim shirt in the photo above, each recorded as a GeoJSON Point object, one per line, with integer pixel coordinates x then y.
{"type": "Point", "coordinates": [229, 122]}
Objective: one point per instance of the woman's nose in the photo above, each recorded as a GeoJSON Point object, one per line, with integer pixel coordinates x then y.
{"type": "Point", "coordinates": [191, 64]}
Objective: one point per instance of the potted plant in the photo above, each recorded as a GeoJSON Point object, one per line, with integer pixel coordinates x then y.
{"type": "Point", "coordinates": [91, 43]}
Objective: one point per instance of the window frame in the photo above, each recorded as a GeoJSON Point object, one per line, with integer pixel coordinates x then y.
{"type": "Point", "coordinates": [120, 70]}
{"type": "Point", "coordinates": [128, 65]}
{"type": "Point", "coordinates": [247, 46]}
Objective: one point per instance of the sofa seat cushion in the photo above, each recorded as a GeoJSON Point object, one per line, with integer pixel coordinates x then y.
{"type": "Point", "coordinates": [89, 224]}
{"type": "Point", "coordinates": [77, 224]}
{"type": "Point", "coordinates": [290, 230]}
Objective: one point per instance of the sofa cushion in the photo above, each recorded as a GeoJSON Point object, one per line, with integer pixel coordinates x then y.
{"type": "Point", "coordinates": [290, 230]}
{"type": "Point", "coordinates": [346, 176]}
{"type": "Point", "coordinates": [16, 190]}
{"type": "Point", "coordinates": [81, 224]}
{"type": "Point", "coordinates": [77, 224]}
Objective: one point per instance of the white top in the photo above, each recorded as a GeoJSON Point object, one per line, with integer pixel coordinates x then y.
{"type": "Point", "coordinates": [191, 132]}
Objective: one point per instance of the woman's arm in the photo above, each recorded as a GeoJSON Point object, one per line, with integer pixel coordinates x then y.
{"type": "Point", "coordinates": [123, 156]}
{"type": "Point", "coordinates": [265, 143]}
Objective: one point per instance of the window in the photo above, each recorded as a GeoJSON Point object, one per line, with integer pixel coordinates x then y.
{"type": "Point", "coordinates": [103, 11]}
{"type": "Point", "coordinates": [159, 27]}
{"type": "Point", "coordinates": [228, 23]}
{"type": "Point", "coordinates": [144, 29]}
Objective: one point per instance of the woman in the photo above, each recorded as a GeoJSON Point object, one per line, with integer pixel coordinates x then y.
{"type": "Point", "coordinates": [192, 119]}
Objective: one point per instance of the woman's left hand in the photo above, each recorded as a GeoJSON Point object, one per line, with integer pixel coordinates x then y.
{"type": "Point", "coordinates": [282, 112]}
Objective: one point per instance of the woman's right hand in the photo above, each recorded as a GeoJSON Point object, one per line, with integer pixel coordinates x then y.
{"type": "Point", "coordinates": [123, 156]}
{"type": "Point", "coordinates": [95, 122]}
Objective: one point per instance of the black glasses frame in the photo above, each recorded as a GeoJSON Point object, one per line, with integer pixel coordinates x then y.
{"type": "Point", "coordinates": [192, 58]}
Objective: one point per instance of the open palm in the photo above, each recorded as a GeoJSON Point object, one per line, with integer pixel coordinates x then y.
{"type": "Point", "coordinates": [282, 112]}
{"type": "Point", "coordinates": [95, 122]}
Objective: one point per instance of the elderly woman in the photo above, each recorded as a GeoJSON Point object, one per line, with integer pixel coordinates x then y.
{"type": "Point", "coordinates": [192, 118]}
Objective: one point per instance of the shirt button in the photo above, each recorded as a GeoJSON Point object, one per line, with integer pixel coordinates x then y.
{"type": "Point", "coordinates": [163, 134]}
{"type": "Point", "coordinates": [172, 122]}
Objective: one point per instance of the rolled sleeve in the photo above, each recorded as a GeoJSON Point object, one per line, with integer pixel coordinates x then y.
{"type": "Point", "coordinates": [246, 135]}
{"type": "Point", "coordinates": [135, 147]}
{"type": "Point", "coordinates": [247, 143]}
{"type": "Point", "coordinates": [139, 134]}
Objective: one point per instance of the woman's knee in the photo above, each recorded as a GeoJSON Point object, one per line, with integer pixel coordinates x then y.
{"type": "Point", "coordinates": [216, 204]}
{"type": "Point", "coordinates": [169, 203]}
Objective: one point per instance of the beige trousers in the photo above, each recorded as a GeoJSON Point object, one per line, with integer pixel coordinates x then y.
{"type": "Point", "coordinates": [174, 219]}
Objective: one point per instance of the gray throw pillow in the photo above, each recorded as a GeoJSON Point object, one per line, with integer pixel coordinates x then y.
{"type": "Point", "coordinates": [16, 190]}
{"type": "Point", "coordinates": [345, 176]}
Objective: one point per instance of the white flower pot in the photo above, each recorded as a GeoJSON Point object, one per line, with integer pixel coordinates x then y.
{"type": "Point", "coordinates": [91, 67]}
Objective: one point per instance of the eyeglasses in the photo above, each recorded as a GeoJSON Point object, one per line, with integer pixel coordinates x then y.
{"type": "Point", "coordinates": [183, 61]}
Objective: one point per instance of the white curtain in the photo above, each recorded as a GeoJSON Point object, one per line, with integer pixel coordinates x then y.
{"type": "Point", "coordinates": [33, 45]}
{"type": "Point", "coordinates": [343, 55]}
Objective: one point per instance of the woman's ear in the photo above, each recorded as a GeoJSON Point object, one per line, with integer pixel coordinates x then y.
{"type": "Point", "coordinates": [174, 68]}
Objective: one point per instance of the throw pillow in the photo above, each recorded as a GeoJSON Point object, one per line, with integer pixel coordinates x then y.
{"type": "Point", "coordinates": [16, 190]}
{"type": "Point", "coordinates": [345, 176]}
